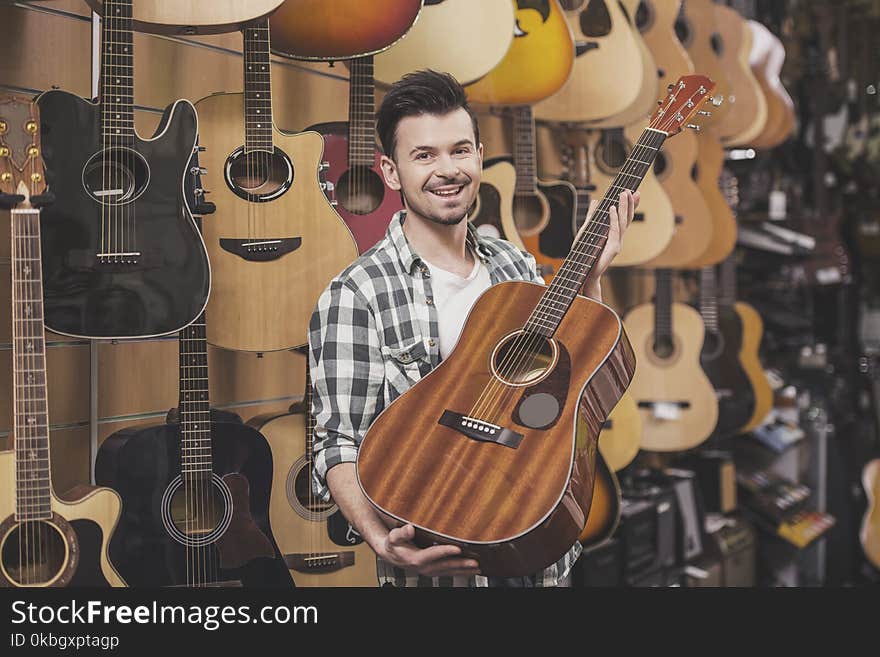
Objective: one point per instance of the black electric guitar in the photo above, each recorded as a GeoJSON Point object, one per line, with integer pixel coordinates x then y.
{"type": "Point", "coordinates": [45, 539]}
{"type": "Point", "coordinates": [720, 359]}
{"type": "Point", "coordinates": [121, 255]}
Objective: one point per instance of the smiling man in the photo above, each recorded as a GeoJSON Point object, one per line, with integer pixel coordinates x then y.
{"type": "Point", "coordinates": [398, 310]}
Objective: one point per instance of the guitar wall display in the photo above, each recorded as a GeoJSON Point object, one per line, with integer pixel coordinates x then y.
{"type": "Point", "coordinates": [275, 241]}
{"type": "Point", "coordinates": [45, 540]}
{"type": "Point", "coordinates": [121, 255]}
{"type": "Point", "coordinates": [188, 17]}
{"type": "Point", "coordinates": [504, 401]}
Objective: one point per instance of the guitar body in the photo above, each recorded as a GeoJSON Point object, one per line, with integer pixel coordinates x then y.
{"type": "Point", "coordinates": [710, 160]}
{"type": "Point", "coordinates": [143, 464]}
{"type": "Point", "coordinates": [869, 534]}
{"type": "Point", "coordinates": [752, 330]}
{"type": "Point", "coordinates": [677, 379]}
{"type": "Point", "coordinates": [693, 221]}
{"type": "Point", "coordinates": [316, 29]}
{"type": "Point", "coordinates": [619, 440]}
{"type": "Point", "coordinates": [483, 35]}
{"type": "Point", "coordinates": [261, 300]}
{"type": "Point", "coordinates": [720, 361]}
{"type": "Point", "coordinates": [655, 19]}
{"type": "Point", "coordinates": [518, 506]}
{"type": "Point", "coordinates": [318, 545]}
{"type": "Point", "coordinates": [538, 63]}
{"type": "Point", "coordinates": [605, 506]}
{"type": "Point", "coordinates": [766, 59]}
{"type": "Point", "coordinates": [74, 554]}
{"type": "Point", "coordinates": [194, 16]}
{"type": "Point", "coordinates": [492, 213]}
{"type": "Point", "coordinates": [368, 211]}
{"type": "Point", "coordinates": [606, 58]}
{"type": "Point", "coordinates": [552, 244]}
{"type": "Point", "coordinates": [167, 287]}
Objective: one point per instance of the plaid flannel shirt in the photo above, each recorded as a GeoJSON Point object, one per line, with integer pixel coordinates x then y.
{"type": "Point", "coordinates": [372, 336]}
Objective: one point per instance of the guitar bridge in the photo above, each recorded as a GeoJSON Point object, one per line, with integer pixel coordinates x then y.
{"type": "Point", "coordinates": [319, 563]}
{"type": "Point", "coordinates": [260, 250]}
{"type": "Point", "coordinates": [479, 430]}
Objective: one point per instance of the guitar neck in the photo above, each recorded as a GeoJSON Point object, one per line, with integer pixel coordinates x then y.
{"type": "Point", "coordinates": [257, 88]}
{"type": "Point", "coordinates": [361, 112]}
{"type": "Point", "coordinates": [116, 92]}
{"type": "Point", "coordinates": [194, 401]}
{"type": "Point", "coordinates": [524, 150]}
{"type": "Point", "coordinates": [709, 298]}
{"type": "Point", "coordinates": [310, 419]}
{"type": "Point", "coordinates": [588, 245]}
{"type": "Point", "coordinates": [663, 304]}
{"type": "Point", "coordinates": [31, 417]}
{"type": "Point", "coordinates": [727, 282]}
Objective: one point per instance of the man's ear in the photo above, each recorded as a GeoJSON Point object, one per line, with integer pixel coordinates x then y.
{"type": "Point", "coordinates": [389, 171]}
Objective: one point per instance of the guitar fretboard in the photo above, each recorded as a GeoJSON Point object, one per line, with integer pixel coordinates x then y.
{"type": "Point", "coordinates": [31, 416]}
{"type": "Point", "coordinates": [585, 251]}
{"type": "Point", "coordinates": [117, 74]}
{"type": "Point", "coordinates": [524, 150]}
{"type": "Point", "coordinates": [257, 88]}
{"type": "Point", "coordinates": [663, 304]}
{"type": "Point", "coordinates": [194, 402]}
{"type": "Point", "coordinates": [361, 112]}
{"type": "Point", "coordinates": [709, 298]}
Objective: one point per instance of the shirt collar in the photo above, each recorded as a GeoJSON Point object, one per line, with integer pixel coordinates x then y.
{"type": "Point", "coordinates": [409, 258]}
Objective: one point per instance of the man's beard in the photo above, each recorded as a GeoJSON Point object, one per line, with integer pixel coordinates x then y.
{"type": "Point", "coordinates": [433, 218]}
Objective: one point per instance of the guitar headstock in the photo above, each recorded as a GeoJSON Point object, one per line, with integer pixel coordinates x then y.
{"type": "Point", "coordinates": [21, 164]}
{"type": "Point", "coordinates": [682, 102]}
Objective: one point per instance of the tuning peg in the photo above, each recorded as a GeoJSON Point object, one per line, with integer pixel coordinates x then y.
{"type": "Point", "coordinates": [716, 101]}
{"type": "Point", "coordinates": [198, 171]}
{"type": "Point", "coordinates": [327, 186]}
{"type": "Point", "coordinates": [704, 113]}
{"type": "Point", "coordinates": [693, 127]}
{"type": "Point", "coordinates": [670, 87]}
{"type": "Point", "coordinates": [323, 166]}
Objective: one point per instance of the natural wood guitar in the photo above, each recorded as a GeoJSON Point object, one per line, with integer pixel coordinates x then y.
{"type": "Point", "coordinates": [483, 452]}
{"type": "Point", "coordinates": [464, 38]}
{"type": "Point", "coordinates": [766, 59]}
{"type": "Point", "coordinates": [677, 402]}
{"type": "Point", "coordinates": [492, 212]}
{"type": "Point", "coordinates": [317, 543]}
{"type": "Point", "coordinates": [869, 534]}
{"type": "Point", "coordinates": [342, 29]}
{"type": "Point", "coordinates": [275, 240]}
{"type": "Point", "coordinates": [194, 16]}
{"type": "Point", "coordinates": [539, 60]}
{"type": "Point", "coordinates": [655, 20]}
{"type": "Point", "coordinates": [45, 539]}
{"type": "Point", "coordinates": [621, 434]}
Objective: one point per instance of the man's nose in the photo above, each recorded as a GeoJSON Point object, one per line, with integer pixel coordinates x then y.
{"type": "Point", "coordinates": [447, 167]}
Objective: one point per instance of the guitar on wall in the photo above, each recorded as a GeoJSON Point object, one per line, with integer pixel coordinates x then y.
{"type": "Point", "coordinates": [195, 490]}
{"type": "Point", "coordinates": [354, 179]}
{"type": "Point", "coordinates": [186, 18]}
{"type": "Point", "coordinates": [122, 257]}
{"type": "Point", "coordinates": [869, 533]}
{"type": "Point", "coordinates": [492, 461]}
{"type": "Point", "coordinates": [318, 544]}
{"type": "Point", "coordinates": [45, 540]}
{"type": "Point", "coordinates": [275, 241]}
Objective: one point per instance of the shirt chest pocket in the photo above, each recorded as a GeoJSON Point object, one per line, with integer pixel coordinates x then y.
{"type": "Point", "coordinates": [405, 364]}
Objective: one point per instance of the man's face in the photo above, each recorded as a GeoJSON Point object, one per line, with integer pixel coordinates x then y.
{"type": "Point", "coordinates": [437, 166]}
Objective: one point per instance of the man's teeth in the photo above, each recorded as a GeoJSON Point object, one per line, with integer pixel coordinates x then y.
{"type": "Point", "coordinates": [450, 192]}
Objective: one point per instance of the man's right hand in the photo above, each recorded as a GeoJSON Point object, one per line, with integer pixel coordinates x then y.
{"type": "Point", "coordinates": [436, 561]}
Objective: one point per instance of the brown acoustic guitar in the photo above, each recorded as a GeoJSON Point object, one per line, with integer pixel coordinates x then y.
{"type": "Point", "coordinates": [483, 452]}
{"type": "Point", "coordinates": [275, 241]}
{"type": "Point", "coordinates": [539, 60]}
{"type": "Point", "coordinates": [655, 19]}
{"type": "Point", "coordinates": [341, 29]}
{"type": "Point", "coordinates": [464, 38]}
{"type": "Point", "coordinates": [869, 534]}
{"type": "Point", "coordinates": [194, 16]}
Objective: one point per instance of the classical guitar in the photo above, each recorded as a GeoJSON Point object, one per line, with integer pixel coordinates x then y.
{"type": "Point", "coordinates": [869, 534]}
{"type": "Point", "coordinates": [607, 56]}
{"type": "Point", "coordinates": [188, 17]}
{"type": "Point", "coordinates": [45, 540]}
{"type": "Point", "coordinates": [342, 29]}
{"type": "Point", "coordinates": [655, 20]}
{"type": "Point", "coordinates": [677, 402]}
{"type": "Point", "coordinates": [354, 177]}
{"type": "Point", "coordinates": [275, 241]}
{"type": "Point", "coordinates": [720, 358]}
{"type": "Point", "coordinates": [621, 434]}
{"type": "Point", "coordinates": [766, 59]}
{"type": "Point", "coordinates": [196, 491]}
{"type": "Point", "coordinates": [539, 60]}
{"type": "Point", "coordinates": [483, 450]}
{"type": "Point", "coordinates": [121, 255]}
{"type": "Point", "coordinates": [318, 544]}
{"type": "Point", "coordinates": [464, 38]}
{"type": "Point", "coordinates": [492, 212]}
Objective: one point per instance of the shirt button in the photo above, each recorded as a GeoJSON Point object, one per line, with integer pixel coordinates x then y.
{"type": "Point", "coordinates": [429, 301]}
{"type": "Point", "coordinates": [431, 342]}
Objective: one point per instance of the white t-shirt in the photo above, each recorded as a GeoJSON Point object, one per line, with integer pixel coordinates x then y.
{"type": "Point", "coordinates": [453, 298]}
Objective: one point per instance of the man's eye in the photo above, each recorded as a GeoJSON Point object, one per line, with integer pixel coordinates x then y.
{"type": "Point", "coordinates": [423, 156]}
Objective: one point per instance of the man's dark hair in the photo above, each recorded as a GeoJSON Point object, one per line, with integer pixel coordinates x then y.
{"type": "Point", "coordinates": [421, 92]}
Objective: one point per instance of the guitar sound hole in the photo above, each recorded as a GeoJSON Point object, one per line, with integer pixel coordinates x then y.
{"type": "Point", "coordinates": [115, 176]}
{"type": "Point", "coordinates": [34, 553]}
{"type": "Point", "coordinates": [683, 31]}
{"type": "Point", "coordinates": [306, 496]}
{"type": "Point", "coordinates": [660, 164]}
{"type": "Point", "coordinates": [528, 212]}
{"type": "Point", "coordinates": [523, 358]}
{"type": "Point", "coordinates": [663, 348]}
{"type": "Point", "coordinates": [197, 510]}
{"type": "Point", "coordinates": [644, 16]}
{"type": "Point", "coordinates": [300, 496]}
{"type": "Point", "coordinates": [360, 190]}
{"type": "Point", "coordinates": [717, 44]}
{"type": "Point", "coordinates": [612, 152]}
{"type": "Point", "coordinates": [713, 345]}
{"type": "Point", "coordinates": [595, 20]}
{"type": "Point", "coordinates": [259, 175]}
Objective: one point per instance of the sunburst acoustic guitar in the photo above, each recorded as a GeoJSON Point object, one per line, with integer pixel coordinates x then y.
{"type": "Point", "coordinates": [45, 539]}
{"type": "Point", "coordinates": [275, 241]}
{"type": "Point", "coordinates": [490, 459]}
{"type": "Point", "coordinates": [492, 213]}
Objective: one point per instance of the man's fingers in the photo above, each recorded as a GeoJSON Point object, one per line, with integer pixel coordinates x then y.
{"type": "Point", "coordinates": [401, 535]}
